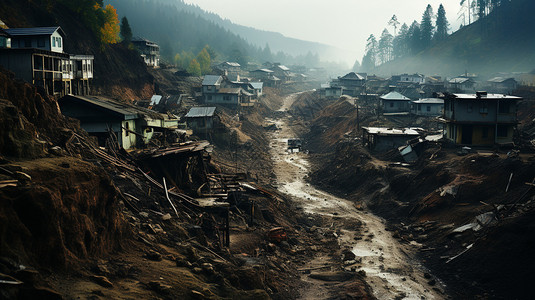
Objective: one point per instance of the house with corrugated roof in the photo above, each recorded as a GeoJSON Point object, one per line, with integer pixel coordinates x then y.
{"type": "Point", "coordinates": [44, 38]}
{"type": "Point", "coordinates": [134, 126]}
{"type": "Point", "coordinates": [480, 119]}
{"type": "Point", "coordinates": [461, 85]}
{"type": "Point", "coordinates": [201, 119]}
{"type": "Point", "coordinates": [218, 89]}
{"type": "Point", "coordinates": [395, 103]}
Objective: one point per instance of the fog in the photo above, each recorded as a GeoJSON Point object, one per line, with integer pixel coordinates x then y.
{"type": "Point", "coordinates": [345, 24]}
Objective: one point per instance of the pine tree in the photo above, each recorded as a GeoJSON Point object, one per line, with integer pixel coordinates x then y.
{"type": "Point", "coordinates": [126, 31]}
{"type": "Point", "coordinates": [385, 47]}
{"type": "Point", "coordinates": [442, 24]}
{"type": "Point", "coordinates": [394, 23]}
{"type": "Point", "coordinates": [369, 61]}
{"type": "Point", "coordinates": [427, 27]}
{"type": "Point", "coordinates": [400, 43]}
{"type": "Point", "coordinates": [414, 38]}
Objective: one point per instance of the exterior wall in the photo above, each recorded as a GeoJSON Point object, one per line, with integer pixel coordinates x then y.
{"type": "Point", "coordinates": [386, 143]}
{"type": "Point", "coordinates": [422, 109]}
{"type": "Point", "coordinates": [392, 106]}
{"type": "Point", "coordinates": [231, 99]}
{"type": "Point", "coordinates": [128, 139]}
{"type": "Point", "coordinates": [333, 92]}
{"type": "Point", "coordinates": [200, 124]}
{"type": "Point", "coordinates": [480, 111]}
{"type": "Point", "coordinates": [56, 42]}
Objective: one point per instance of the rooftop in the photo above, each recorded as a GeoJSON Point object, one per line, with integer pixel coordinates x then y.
{"type": "Point", "coordinates": [34, 31]}
{"type": "Point", "coordinates": [391, 131]}
{"type": "Point", "coordinates": [200, 111]}
{"type": "Point", "coordinates": [483, 97]}
{"type": "Point", "coordinates": [394, 96]}
{"type": "Point", "coordinates": [429, 101]}
{"type": "Point", "coordinates": [211, 80]}
{"type": "Point", "coordinates": [256, 85]}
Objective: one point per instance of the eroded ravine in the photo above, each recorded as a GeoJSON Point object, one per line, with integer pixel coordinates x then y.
{"type": "Point", "coordinates": [390, 267]}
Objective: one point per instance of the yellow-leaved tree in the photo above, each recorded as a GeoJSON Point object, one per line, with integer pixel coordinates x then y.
{"type": "Point", "coordinates": [109, 32]}
{"type": "Point", "coordinates": [204, 60]}
{"type": "Point", "coordinates": [194, 68]}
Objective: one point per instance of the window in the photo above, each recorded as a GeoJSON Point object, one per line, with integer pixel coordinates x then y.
{"type": "Point", "coordinates": [503, 131]}
{"type": "Point", "coordinates": [209, 97]}
{"type": "Point", "coordinates": [208, 88]}
{"type": "Point", "coordinates": [53, 42]}
{"type": "Point", "coordinates": [470, 107]}
{"type": "Point", "coordinates": [227, 98]}
{"type": "Point", "coordinates": [59, 41]}
{"type": "Point", "coordinates": [419, 107]}
{"type": "Point", "coordinates": [126, 128]}
{"type": "Point", "coordinates": [391, 104]}
{"type": "Point", "coordinates": [429, 108]}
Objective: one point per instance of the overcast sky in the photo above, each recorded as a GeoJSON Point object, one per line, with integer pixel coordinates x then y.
{"type": "Point", "coordinates": [342, 23]}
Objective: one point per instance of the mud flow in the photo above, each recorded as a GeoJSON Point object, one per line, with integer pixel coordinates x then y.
{"type": "Point", "coordinates": [390, 267]}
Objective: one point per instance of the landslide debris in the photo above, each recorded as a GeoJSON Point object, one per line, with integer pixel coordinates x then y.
{"type": "Point", "coordinates": [468, 214]}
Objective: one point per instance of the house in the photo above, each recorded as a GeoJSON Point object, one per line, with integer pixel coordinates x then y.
{"type": "Point", "coordinates": [408, 79]}
{"type": "Point", "coordinates": [258, 88]}
{"type": "Point", "coordinates": [384, 139]}
{"type": "Point", "coordinates": [262, 74]}
{"type": "Point", "coordinates": [395, 103]}
{"type": "Point", "coordinates": [36, 56]}
{"type": "Point", "coordinates": [501, 85]}
{"type": "Point", "coordinates": [282, 72]}
{"type": "Point", "coordinates": [329, 92]}
{"type": "Point", "coordinates": [44, 38]}
{"type": "Point", "coordinates": [228, 68]}
{"type": "Point", "coordinates": [480, 118]}
{"type": "Point", "coordinates": [201, 119]}
{"type": "Point", "coordinates": [150, 51]}
{"type": "Point", "coordinates": [134, 126]}
{"type": "Point", "coordinates": [428, 107]}
{"type": "Point", "coordinates": [219, 90]}
{"type": "Point", "coordinates": [82, 73]}
{"type": "Point", "coordinates": [460, 85]}
{"type": "Point", "coordinates": [352, 84]}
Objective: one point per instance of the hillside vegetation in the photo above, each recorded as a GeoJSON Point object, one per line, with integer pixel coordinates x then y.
{"type": "Point", "coordinates": [503, 41]}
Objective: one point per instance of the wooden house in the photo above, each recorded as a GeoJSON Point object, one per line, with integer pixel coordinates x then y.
{"type": "Point", "coordinates": [150, 51]}
{"type": "Point", "coordinates": [395, 103]}
{"type": "Point", "coordinates": [432, 107]}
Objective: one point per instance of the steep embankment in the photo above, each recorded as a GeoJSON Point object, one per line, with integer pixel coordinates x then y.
{"type": "Point", "coordinates": [118, 71]}
{"type": "Point", "coordinates": [501, 42]}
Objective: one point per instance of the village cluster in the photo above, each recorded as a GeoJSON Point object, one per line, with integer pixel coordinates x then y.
{"type": "Point", "coordinates": [468, 117]}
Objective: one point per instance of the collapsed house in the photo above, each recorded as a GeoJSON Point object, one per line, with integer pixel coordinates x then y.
{"type": "Point", "coordinates": [201, 119]}
{"type": "Point", "coordinates": [480, 118]}
{"type": "Point", "coordinates": [132, 125]}
{"type": "Point", "coordinates": [384, 139]}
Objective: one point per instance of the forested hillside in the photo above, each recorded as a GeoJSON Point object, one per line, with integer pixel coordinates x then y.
{"type": "Point", "coordinates": [500, 40]}
{"type": "Point", "coordinates": [184, 29]}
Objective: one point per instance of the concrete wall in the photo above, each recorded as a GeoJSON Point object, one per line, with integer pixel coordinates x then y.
{"type": "Point", "coordinates": [423, 109]}
{"type": "Point", "coordinates": [390, 106]}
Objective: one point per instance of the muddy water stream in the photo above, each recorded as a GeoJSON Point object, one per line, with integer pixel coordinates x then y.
{"type": "Point", "coordinates": [390, 267]}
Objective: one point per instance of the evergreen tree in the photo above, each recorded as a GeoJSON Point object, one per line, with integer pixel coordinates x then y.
{"type": "Point", "coordinates": [266, 53]}
{"type": "Point", "coordinates": [356, 66]}
{"type": "Point", "coordinates": [369, 61]}
{"type": "Point", "coordinates": [414, 38]}
{"type": "Point", "coordinates": [394, 23]}
{"type": "Point", "coordinates": [385, 47]}
{"type": "Point", "coordinates": [441, 24]}
{"type": "Point", "coordinates": [400, 43]}
{"type": "Point", "coordinates": [126, 31]}
{"type": "Point", "coordinates": [194, 68]}
{"type": "Point", "coordinates": [427, 27]}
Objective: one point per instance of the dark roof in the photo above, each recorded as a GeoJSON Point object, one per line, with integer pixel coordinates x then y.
{"type": "Point", "coordinates": [127, 110]}
{"type": "Point", "coordinates": [3, 33]}
{"type": "Point", "coordinates": [34, 31]}
{"type": "Point", "coordinates": [200, 111]}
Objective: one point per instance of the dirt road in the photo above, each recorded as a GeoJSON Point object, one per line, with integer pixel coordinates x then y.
{"type": "Point", "coordinates": [390, 267]}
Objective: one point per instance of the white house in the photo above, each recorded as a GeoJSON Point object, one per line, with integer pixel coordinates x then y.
{"type": "Point", "coordinates": [45, 38]}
